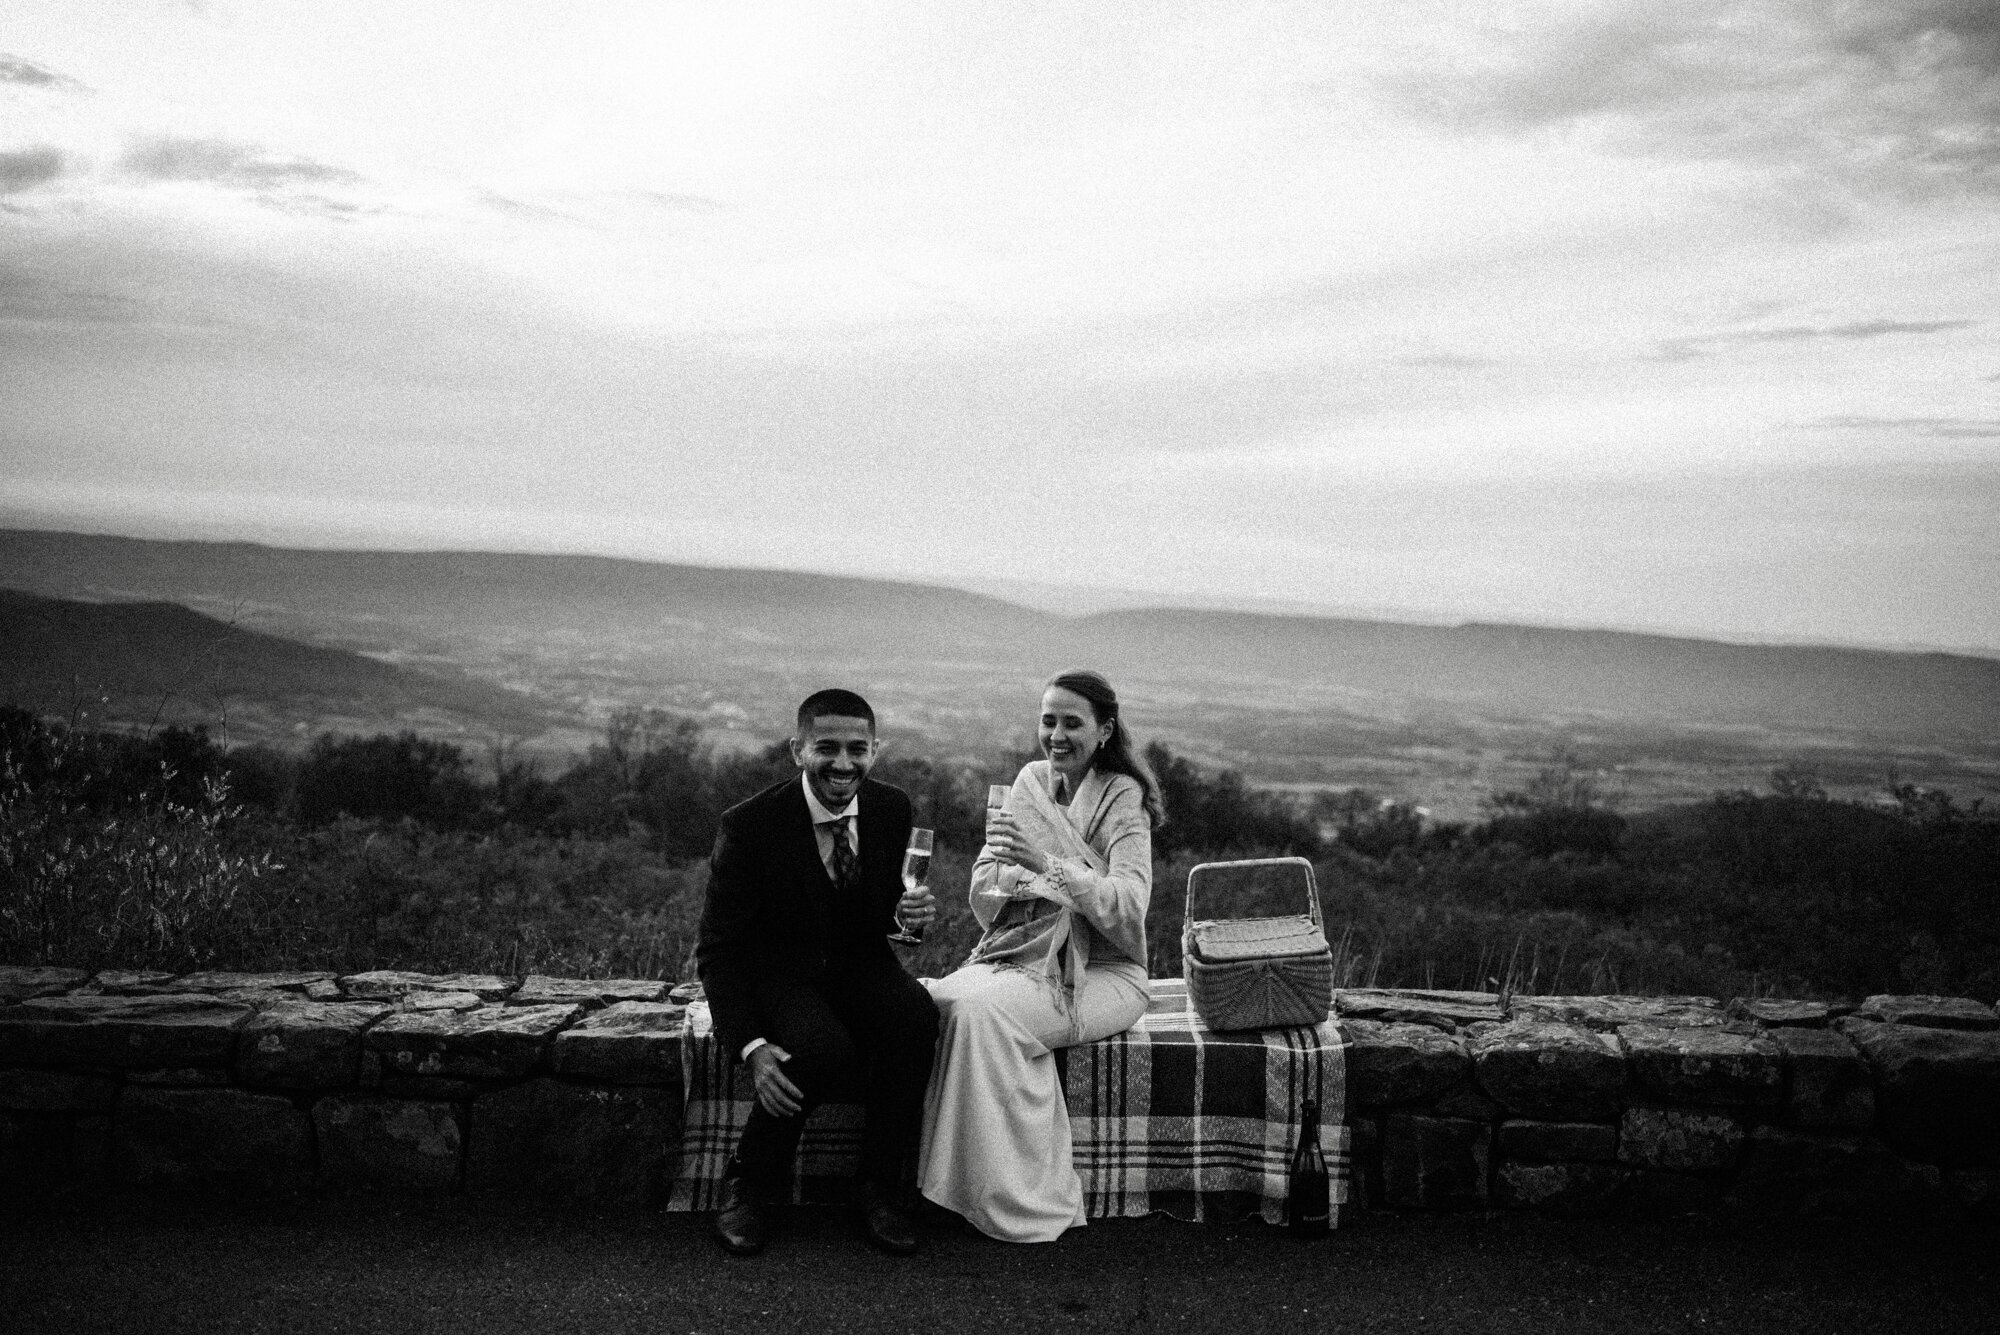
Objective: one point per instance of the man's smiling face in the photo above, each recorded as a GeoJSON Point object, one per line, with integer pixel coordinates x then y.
{"type": "Point", "coordinates": [835, 751]}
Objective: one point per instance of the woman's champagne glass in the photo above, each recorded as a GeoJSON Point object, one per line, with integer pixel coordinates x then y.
{"type": "Point", "coordinates": [916, 866]}
{"type": "Point", "coordinates": [996, 799]}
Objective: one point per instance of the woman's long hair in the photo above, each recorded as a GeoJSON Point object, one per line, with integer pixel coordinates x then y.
{"type": "Point", "coordinates": [1118, 754]}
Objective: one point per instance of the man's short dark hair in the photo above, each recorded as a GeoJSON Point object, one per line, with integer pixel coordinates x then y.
{"type": "Point", "coordinates": [845, 704]}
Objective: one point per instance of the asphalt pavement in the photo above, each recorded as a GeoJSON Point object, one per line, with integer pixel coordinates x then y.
{"type": "Point", "coordinates": [138, 1264]}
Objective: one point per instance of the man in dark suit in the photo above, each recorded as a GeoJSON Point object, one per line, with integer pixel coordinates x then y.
{"type": "Point", "coordinates": [804, 888]}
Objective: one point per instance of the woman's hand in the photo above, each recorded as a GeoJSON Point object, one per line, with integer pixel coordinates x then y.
{"type": "Point", "coordinates": [1003, 836]}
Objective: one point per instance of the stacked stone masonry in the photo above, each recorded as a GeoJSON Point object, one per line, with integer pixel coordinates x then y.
{"type": "Point", "coordinates": [559, 1087]}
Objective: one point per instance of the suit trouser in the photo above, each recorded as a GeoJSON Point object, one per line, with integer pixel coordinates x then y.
{"type": "Point", "coordinates": [865, 1030]}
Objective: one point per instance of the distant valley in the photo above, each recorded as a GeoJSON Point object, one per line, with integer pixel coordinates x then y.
{"type": "Point", "coordinates": [542, 648]}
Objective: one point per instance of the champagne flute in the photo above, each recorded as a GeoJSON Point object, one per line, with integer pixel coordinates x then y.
{"type": "Point", "coordinates": [996, 798]}
{"type": "Point", "coordinates": [916, 866]}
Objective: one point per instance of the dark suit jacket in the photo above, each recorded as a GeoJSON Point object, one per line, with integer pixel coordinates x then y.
{"type": "Point", "coordinates": [772, 911]}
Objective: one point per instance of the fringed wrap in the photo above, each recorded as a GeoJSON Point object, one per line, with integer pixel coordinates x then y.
{"type": "Point", "coordinates": [1038, 932]}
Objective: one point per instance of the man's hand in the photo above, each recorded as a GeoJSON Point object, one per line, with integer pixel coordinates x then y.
{"type": "Point", "coordinates": [1003, 836]}
{"type": "Point", "coordinates": [917, 908]}
{"type": "Point", "coordinates": [775, 1094]}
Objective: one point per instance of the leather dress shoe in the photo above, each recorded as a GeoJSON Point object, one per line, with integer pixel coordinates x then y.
{"type": "Point", "coordinates": [885, 1223]}
{"type": "Point", "coordinates": [741, 1223]}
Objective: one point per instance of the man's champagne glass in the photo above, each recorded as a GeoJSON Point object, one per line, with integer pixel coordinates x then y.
{"type": "Point", "coordinates": [916, 866]}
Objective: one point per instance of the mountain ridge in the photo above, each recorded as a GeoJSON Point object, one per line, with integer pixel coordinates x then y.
{"type": "Point", "coordinates": [585, 633]}
{"type": "Point", "coordinates": [162, 663]}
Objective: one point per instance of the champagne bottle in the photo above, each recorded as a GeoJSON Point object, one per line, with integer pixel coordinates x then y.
{"type": "Point", "coordinates": [1308, 1202]}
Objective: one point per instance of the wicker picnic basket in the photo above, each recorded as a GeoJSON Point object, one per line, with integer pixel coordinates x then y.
{"type": "Point", "coordinates": [1257, 973]}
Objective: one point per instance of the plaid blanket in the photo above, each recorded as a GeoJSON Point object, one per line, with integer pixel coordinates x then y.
{"type": "Point", "coordinates": [1168, 1116]}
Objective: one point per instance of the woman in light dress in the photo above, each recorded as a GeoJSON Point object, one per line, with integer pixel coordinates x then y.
{"type": "Point", "coordinates": [1061, 889]}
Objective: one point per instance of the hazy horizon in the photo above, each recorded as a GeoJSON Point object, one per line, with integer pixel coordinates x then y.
{"type": "Point", "coordinates": [1674, 317]}
{"type": "Point", "coordinates": [1074, 600]}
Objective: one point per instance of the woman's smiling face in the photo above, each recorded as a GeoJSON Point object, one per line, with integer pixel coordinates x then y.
{"type": "Point", "coordinates": [1070, 732]}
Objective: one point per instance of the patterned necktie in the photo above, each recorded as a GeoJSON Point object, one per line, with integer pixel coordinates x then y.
{"type": "Point", "coordinates": [844, 869]}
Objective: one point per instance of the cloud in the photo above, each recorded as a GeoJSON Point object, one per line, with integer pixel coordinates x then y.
{"type": "Point", "coordinates": [521, 208]}
{"type": "Point", "coordinates": [1871, 329]}
{"type": "Point", "coordinates": [682, 203]}
{"type": "Point", "coordinates": [1449, 361]}
{"type": "Point", "coordinates": [1902, 95]}
{"type": "Point", "coordinates": [29, 167]}
{"type": "Point", "coordinates": [1945, 427]}
{"type": "Point", "coordinates": [15, 70]}
{"type": "Point", "coordinates": [225, 162]}
{"type": "Point", "coordinates": [1695, 345]}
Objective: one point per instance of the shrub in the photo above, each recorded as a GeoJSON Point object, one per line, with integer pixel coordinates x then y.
{"type": "Point", "coordinates": [145, 880]}
{"type": "Point", "coordinates": [401, 776]}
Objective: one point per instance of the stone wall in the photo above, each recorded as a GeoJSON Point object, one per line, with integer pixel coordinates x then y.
{"type": "Point", "coordinates": [1582, 1105]}
{"type": "Point", "coordinates": [393, 1081]}
{"type": "Point", "coordinates": [571, 1088]}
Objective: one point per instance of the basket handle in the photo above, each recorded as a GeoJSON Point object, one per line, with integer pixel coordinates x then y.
{"type": "Point", "coordinates": [1312, 889]}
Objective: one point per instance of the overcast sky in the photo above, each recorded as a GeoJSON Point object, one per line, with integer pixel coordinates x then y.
{"type": "Point", "coordinates": [1680, 316]}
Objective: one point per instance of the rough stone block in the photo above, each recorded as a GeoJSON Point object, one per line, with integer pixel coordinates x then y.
{"type": "Point", "coordinates": [428, 1088]}
{"type": "Point", "coordinates": [1434, 1163]}
{"type": "Point", "coordinates": [1937, 1091]}
{"type": "Point", "coordinates": [486, 986]}
{"type": "Point", "coordinates": [259, 998]}
{"type": "Point", "coordinates": [144, 1032]}
{"type": "Point", "coordinates": [630, 1043]}
{"type": "Point", "coordinates": [587, 1142]}
{"type": "Point", "coordinates": [323, 991]}
{"type": "Point", "coordinates": [1539, 1068]}
{"type": "Point", "coordinates": [1774, 1013]}
{"type": "Point", "coordinates": [493, 1043]}
{"type": "Point", "coordinates": [439, 1001]}
{"type": "Point", "coordinates": [383, 984]}
{"type": "Point", "coordinates": [215, 980]}
{"type": "Point", "coordinates": [1704, 1066]}
{"type": "Point", "coordinates": [540, 990]}
{"type": "Point", "coordinates": [1854, 1176]}
{"type": "Point", "coordinates": [305, 1044]}
{"type": "Point", "coordinates": [1932, 1012]}
{"type": "Point", "coordinates": [185, 1136]}
{"type": "Point", "coordinates": [1400, 1063]}
{"type": "Point", "coordinates": [1468, 1101]}
{"type": "Point", "coordinates": [55, 1091]}
{"type": "Point", "coordinates": [1557, 1142]}
{"type": "Point", "coordinates": [393, 984]}
{"type": "Point", "coordinates": [396, 1143]}
{"type": "Point", "coordinates": [1679, 1140]}
{"type": "Point", "coordinates": [1558, 1188]}
{"type": "Point", "coordinates": [131, 982]}
{"type": "Point", "coordinates": [19, 982]}
{"type": "Point", "coordinates": [1608, 1013]}
{"type": "Point", "coordinates": [1441, 1009]}
{"type": "Point", "coordinates": [1828, 1086]}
